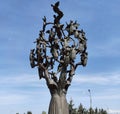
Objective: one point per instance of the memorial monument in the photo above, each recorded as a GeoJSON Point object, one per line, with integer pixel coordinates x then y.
{"type": "Point", "coordinates": [60, 49]}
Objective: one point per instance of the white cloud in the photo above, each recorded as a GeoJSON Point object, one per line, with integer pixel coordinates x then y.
{"type": "Point", "coordinates": [112, 78]}
{"type": "Point", "coordinates": [20, 80]}
{"type": "Point", "coordinates": [106, 96]}
{"type": "Point", "coordinates": [109, 47]}
{"type": "Point", "coordinates": [111, 111]}
{"type": "Point", "coordinates": [8, 99]}
{"type": "Point", "coordinates": [21, 89]}
{"type": "Point", "coordinates": [78, 93]}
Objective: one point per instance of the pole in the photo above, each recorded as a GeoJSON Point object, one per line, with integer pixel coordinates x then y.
{"type": "Point", "coordinates": [90, 100]}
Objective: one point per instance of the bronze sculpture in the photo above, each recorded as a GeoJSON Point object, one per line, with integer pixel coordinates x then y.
{"type": "Point", "coordinates": [55, 56]}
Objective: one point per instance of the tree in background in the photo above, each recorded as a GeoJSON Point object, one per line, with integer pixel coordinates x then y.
{"type": "Point", "coordinates": [72, 110]}
{"type": "Point", "coordinates": [29, 112]}
{"type": "Point", "coordinates": [83, 110]}
{"type": "Point", "coordinates": [43, 112]}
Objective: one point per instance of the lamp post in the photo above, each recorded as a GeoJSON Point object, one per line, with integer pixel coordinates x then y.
{"type": "Point", "coordinates": [90, 100]}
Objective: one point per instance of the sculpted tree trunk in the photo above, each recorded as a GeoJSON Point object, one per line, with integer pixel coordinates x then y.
{"type": "Point", "coordinates": [55, 56]}
{"type": "Point", "coordinates": [58, 89]}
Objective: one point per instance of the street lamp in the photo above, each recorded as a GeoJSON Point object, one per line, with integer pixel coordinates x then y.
{"type": "Point", "coordinates": [90, 100]}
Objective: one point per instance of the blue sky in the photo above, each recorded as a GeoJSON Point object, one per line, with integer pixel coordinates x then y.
{"type": "Point", "coordinates": [20, 22]}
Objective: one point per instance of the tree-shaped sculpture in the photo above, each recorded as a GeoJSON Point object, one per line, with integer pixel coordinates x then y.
{"type": "Point", "coordinates": [60, 49]}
